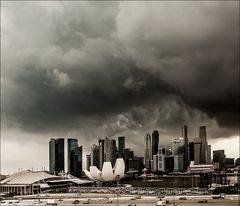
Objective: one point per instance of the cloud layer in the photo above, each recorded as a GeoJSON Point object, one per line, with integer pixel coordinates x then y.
{"type": "Point", "coordinates": [113, 67]}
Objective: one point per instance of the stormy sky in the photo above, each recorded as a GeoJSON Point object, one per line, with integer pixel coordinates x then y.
{"type": "Point", "coordinates": [96, 69]}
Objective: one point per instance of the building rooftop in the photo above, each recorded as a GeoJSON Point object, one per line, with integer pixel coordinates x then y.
{"type": "Point", "coordinates": [27, 177]}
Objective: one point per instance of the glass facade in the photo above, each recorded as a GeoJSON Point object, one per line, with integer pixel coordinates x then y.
{"type": "Point", "coordinates": [72, 145]}
{"type": "Point", "coordinates": [56, 155]}
{"type": "Point", "coordinates": [52, 155]}
{"type": "Point", "coordinates": [148, 151]}
{"type": "Point", "coordinates": [155, 142]}
{"type": "Point", "coordinates": [121, 146]}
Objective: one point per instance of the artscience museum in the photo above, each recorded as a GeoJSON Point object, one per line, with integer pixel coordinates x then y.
{"type": "Point", "coordinates": [108, 173]}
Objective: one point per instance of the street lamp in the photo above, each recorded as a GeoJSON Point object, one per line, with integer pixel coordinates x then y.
{"type": "Point", "coordinates": [118, 177]}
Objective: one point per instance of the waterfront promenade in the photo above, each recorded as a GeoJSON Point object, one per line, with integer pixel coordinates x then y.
{"type": "Point", "coordinates": [122, 200]}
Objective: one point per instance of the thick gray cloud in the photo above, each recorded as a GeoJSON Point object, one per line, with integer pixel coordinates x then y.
{"type": "Point", "coordinates": [113, 67]}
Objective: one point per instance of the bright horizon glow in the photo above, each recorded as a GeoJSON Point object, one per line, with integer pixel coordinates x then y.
{"type": "Point", "coordinates": [230, 145]}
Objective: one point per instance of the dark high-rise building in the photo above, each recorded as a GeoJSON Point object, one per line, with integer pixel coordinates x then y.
{"type": "Point", "coordinates": [155, 142]}
{"type": "Point", "coordinates": [229, 161]}
{"type": "Point", "coordinates": [94, 161]}
{"type": "Point", "coordinates": [203, 138]}
{"type": "Point", "coordinates": [185, 155]}
{"type": "Point", "coordinates": [72, 145]}
{"type": "Point", "coordinates": [208, 161]}
{"type": "Point", "coordinates": [128, 155]}
{"type": "Point", "coordinates": [136, 164]}
{"type": "Point", "coordinates": [76, 162]}
{"type": "Point", "coordinates": [170, 163]}
{"type": "Point", "coordinates": [121, 146]}
{"type": "Point", "coordinates": [56, 155]}
{"type": "Point", "coordinates": [219, 159]}
{"type": "Point", "coordinates": [110, 150]}
{"type": "Point", "coordinates": [101, 152]}
{"type": "Point", "coordinates": [197, 151]}
{"type": "Point", "coordinates": [191, 151]}
{"type": "Point", "coordinates": [88, 162]}
{"type": "Point", "coordinates": [148, 151]}
{"type": "Point", "coordinates": [52, 156]}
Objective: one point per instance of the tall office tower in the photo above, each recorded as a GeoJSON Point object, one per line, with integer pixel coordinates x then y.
{"type": "Point", "coordinates": [178, 146]}
{"type": "Point", "coordinates": [128, 155]}
{"type": "Point", "coordinates": [121, 146]}
{"type": "Point", "coordinates": [88, 162]}
{"type": "Point", "coordinates": [56, 155]}
{"type": "Point", "coordinates": [203, 138]}
{"type": "Point", "coordinates": [76, 162]}
{"type": "Point", "coordinates": [148, 149]}
{"type": "Point", "coordinates": [155, 142]}
{"type": "Point", "coordinates": [191, 151]}
{"type": "Point", "coordinates": [72, 145]}
{"type": "Point", "coordinates": [136, 164]}
{"type": "Point", "coordinates": [110, 150]}
{"type": "Point", "coordinates": [101, 152]}
{"type": "Point", "coordinates": [52, 155]}
{"type": "Point", "coordinates": [185, 156]}
{"type": "Point", "coordinates": [161, 150]}
{"type": "Point", "coordinates": [161, 159]}
{"type": "Point", "coordinates": [60, 155]}
{"type": "Point", "coordinates": [155, 163]}
{"type": "Point", "coordinates": [197, 151]}
{"type": "Point", "coordinates": [170, 163]}
{"type": "Point", "coordinates": [209, 154]}
{"type": "Point", "coordinates": [219, 159]}
{"type": "Point", "coordinates": [94, 161]}
{"type": "Point", "coordinates": [178, 163]}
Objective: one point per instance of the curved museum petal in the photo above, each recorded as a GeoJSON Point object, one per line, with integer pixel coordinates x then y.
{"type": "Point", "coordinates": [119, 168]}
{"type": "Point", "coordinates": [87, 173]}
{"type": "Point", "coordinates": [107, 171]}
{"type": "Point", "coordinates": [96, 173]}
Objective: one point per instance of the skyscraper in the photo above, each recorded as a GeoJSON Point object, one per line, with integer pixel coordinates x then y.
{"type": "Point", "coordinates": [161, 159]}
{"type": "Point", "coordinates": [203, 138]}
{"type": "Point", "coordinates": [148, 151]}
{"type": "Point", "coordinates": [191, 151]}
{"type": "Point", "coordinates": [121, 146]}
{"type": "Point", "coordinates": [56, 155]}
{"type": "Point", "coordinates": [88, 162]}
{"type": "Point", "coordinates": [155, 142]}
{"type": "Point", "coordinates": [219, 159]}
{"type": "Point", "coordinates": [208, 154]}
{"type": "Point", "coordinates": [101, 152]}
{"type": "Point", "coordinates": [76, 162]}
{"type": "Point", "coordinates": [72, 145]}
{"type": "Point", "coordinates": [178, 146]}
{"type": "Point", "coordinates": [94, 157]}
{"type": "Point", "coordinates": [185, 156]}
{"type": "Point", "coordinates": [52, 156]}
{"type": "Point", "coordinates": [110, 150]}
{"type": "Point", "coordinates": [197, 151]}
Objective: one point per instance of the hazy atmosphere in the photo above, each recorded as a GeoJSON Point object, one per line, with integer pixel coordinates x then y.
{"type": "Point", "coordinates": [96, 69]}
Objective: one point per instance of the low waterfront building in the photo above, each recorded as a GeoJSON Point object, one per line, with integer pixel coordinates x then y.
{"type": "Point", "coordinates": [33, 182]}
{"type": "Point", "coordinates": [200, 168]}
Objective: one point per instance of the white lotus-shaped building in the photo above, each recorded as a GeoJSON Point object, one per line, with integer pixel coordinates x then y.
{"type": "Point", "coordinates": [108, 173]}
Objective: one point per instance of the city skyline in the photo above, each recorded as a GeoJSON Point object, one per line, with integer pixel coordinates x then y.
{"type": "Point", "coordinates": [87, 148]}
{"type": "Point", "coordinates": [95, 69]}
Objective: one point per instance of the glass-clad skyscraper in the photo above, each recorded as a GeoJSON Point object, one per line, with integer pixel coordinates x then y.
{"type": "Point", "coordinates": [72, 145]}
{"type": "Point", "coordinates": [155, 142]}
{"type": "Point", "coordinates": [56, 155]}
{"type": "Point", "coordinates": [76, 162]}
{"type": "Point", "coordinates": [148, 151]}
{"type": "Point", "coordinates": [52, 155]}
{"type": "Point", "coordinates": [121, 146]}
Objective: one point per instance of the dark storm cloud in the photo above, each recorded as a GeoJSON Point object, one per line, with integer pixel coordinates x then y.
{"type": "Point", "coordinates": [121, 67]}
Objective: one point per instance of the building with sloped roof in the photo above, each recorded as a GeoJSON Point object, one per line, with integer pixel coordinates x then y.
{"type": "Point", "coordinates": [33, 182]}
